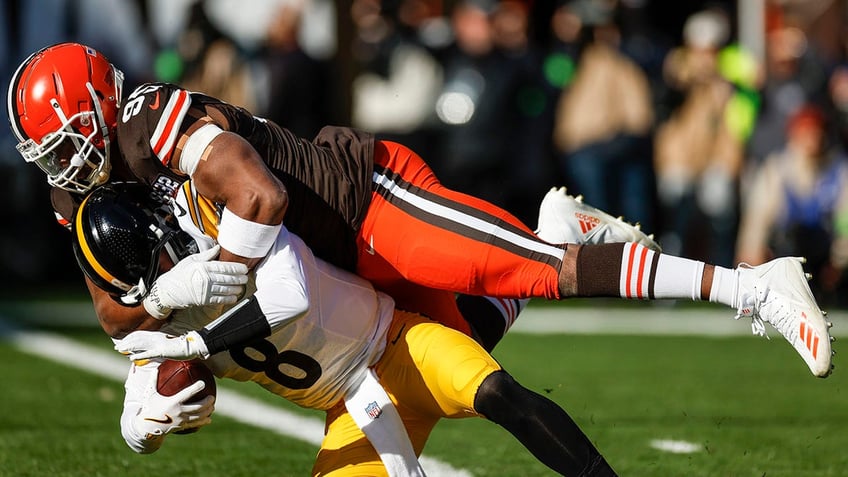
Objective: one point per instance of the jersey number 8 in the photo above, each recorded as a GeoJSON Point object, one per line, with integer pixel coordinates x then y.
{"type": "Point", "coordinates": [274, 361]}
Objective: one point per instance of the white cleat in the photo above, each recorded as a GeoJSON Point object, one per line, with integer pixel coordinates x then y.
{"type": "Point", "coordinates": [567, 219]}
{"type": "Point", "coordinates": [777, 293]}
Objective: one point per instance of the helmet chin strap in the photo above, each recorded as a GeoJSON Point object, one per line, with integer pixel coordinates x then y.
{"type": "Point", "coordinates": [136, 294]}
{"type": "Point", "coordinates": [102, 177]}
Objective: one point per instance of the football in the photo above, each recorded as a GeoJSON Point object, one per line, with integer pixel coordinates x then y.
{"type": "Point", "coordinates": [174, 376]}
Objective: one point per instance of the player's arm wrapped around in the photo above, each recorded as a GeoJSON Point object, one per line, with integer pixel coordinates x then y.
{"type": "Point", "coordinates": [281, 296]}
{"type": "Point", "coordinates": [149, 416]}
{"type": "Point", "coordinates": [242, 324]}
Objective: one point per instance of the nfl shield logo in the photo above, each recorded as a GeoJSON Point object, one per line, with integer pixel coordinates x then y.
{"type": "Point", "coordinates": [373, 410]}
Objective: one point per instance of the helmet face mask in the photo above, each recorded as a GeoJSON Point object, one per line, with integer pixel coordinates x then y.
{"type": "Point", "coordinates": [66, 94]}
{"type": "Point", "coordinates": [119, 234]}
{"type": "Point", "coordinates": [70, 159]}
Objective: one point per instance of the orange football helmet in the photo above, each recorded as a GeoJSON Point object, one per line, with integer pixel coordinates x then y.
{"type": "Point", "coordinates": [63, 108]}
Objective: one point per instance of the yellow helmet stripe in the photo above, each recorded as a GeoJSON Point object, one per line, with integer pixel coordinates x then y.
{"type": "Point", "coordinates": [86, 249]}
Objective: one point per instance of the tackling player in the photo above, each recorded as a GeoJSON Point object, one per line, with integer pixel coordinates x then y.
{"type": "Point", "coordinates": [320, 337]}
{"type": "Point", "coordinates": [369, 206]}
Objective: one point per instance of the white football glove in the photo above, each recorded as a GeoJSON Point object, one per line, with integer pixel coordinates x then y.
{"type": "Point", "coordinates": [140, 345]}
{"type": "Point", "coordinates": [196, 281]}
{"type": "Point", "coordinates": [160, 415]}
{"type": "Point", "coordinates": [149, 416]}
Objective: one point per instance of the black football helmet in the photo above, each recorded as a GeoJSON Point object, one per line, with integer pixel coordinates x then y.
{"type": "Point", "coordinates": [118, 233]}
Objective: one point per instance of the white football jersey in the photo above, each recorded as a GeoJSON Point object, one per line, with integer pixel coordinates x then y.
{"type": "Point", "coordinates": [311, 358]}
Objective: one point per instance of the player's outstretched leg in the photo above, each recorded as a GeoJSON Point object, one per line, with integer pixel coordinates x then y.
{"type": "Point", "coordinates": [543, 427]}
{"type": "Point", "coordinates": [567, 219]}
{"type": "Point", "coordinates": [562, 219]}
{"type": "Point", "coordinates": [775, 292]}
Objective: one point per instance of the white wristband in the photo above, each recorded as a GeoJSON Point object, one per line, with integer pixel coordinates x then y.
{"type": "Point", "coordinates": [245, 238]}
{"type": "Point", "coordinates": [153, 305]}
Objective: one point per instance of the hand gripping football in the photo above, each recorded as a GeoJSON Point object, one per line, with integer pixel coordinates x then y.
{"type": "Point", "coordinates": [174, 376]}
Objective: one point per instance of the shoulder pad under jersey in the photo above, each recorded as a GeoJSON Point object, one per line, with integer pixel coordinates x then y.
{"type": "Point", "coordinates": [149, 123]}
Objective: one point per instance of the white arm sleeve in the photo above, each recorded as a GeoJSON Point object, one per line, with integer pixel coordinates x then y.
{"type": "Point", "coordinates": [282, 289]}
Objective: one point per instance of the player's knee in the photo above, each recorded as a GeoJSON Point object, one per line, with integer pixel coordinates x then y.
{"type": "Point", "coordinates": [496, 395]}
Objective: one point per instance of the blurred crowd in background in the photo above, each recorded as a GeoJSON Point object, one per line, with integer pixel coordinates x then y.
{"type": "Point", "coordinates": [720, 126]}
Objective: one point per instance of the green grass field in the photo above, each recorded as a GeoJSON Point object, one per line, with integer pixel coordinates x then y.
{"type": "Point", "coordinates": [748, 404]}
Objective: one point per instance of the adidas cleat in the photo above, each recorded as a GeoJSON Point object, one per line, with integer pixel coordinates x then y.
{"type": "Point", "coordinates": [777, 293]}
{"type": "Point", "coordinates": [567, 219]}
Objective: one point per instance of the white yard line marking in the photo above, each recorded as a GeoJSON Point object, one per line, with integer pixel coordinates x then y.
{"type": "Point", "coordinates": [228, 403]}
{"type": "Point", "coordinates": [676, 447]}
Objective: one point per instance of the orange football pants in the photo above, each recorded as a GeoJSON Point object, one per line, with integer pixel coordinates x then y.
{"type": "Point", "coordinates": [421, 243]}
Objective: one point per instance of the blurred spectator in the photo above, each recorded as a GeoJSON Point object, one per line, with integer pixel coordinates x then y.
{"type": "Point", "coordinates": [558, 65]}
{"type": "Point", "coordinates": [395, 91]}
{"type": "Point", "coordinates": [115, 28]}
{"type": "Point", "coordinates": [8, 156]}
{"type": "Point", "coordinates": [838, 88]}
{"type": "Point", "coordinates": [224, 74]}
{"type": "Point", "coordinates": [21, 264]}
{"type": "Point", "coordinates": [477, 107]}
{"type": "Point", "coordinates": [700, 148]}
{"type": "Point", "coordinates": [529, 159]}
{"type": "Point", "coordinates": [212, 62]}
{"type": "Point", "coordinates": [604, 120]}
{"type": "Point", "coordinates": [299, 91]}
{"type": "Point", "coordinates": [794, 75]}
{"type": "Point", "coordinates": [797, 204]}
{"type": "Point", "coordinates": [181, 31]}
{"type": "Point", "coordinates": [648, 47]}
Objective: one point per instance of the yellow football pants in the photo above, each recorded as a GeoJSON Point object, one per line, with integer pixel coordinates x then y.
{"type": "Point", "coordinates": [429, 371]}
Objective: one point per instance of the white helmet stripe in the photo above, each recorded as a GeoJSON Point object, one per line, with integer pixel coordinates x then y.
{"type": "Point", "coordinates": [11, 110]}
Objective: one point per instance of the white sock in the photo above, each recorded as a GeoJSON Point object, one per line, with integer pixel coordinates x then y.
{"type": "Point", "coordinates": [678, 278]}
{"type": "Point", "coordinates": [725, 287]}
